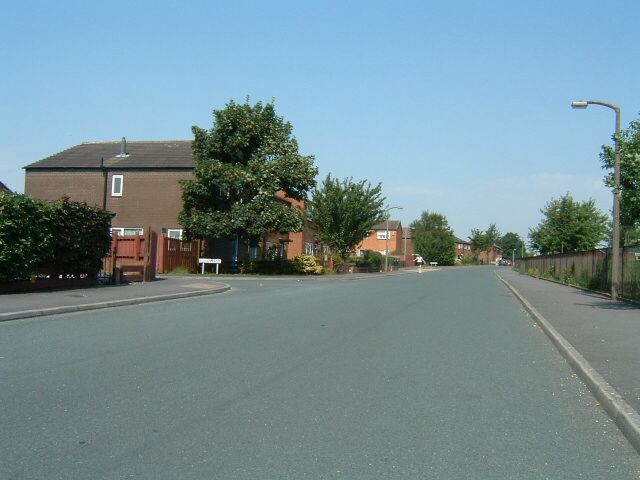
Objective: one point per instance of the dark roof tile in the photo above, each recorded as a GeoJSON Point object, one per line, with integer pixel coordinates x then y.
{"type": "Point", "coordinates": [151, 154]}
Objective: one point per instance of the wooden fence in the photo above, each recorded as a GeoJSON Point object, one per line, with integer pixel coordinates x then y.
{"type": "Point", "coordinates": [133, 257]}
{"type": "Point", "coordinates": [174, 253]}
{"type": "Point", "coordinates": [590, 269]}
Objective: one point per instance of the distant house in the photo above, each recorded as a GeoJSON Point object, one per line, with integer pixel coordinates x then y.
{"type": "Point", "coordinates": [4, 188]}
{"type": "Point", "coordinates": [490, 256]}
{"type": "Point", "coordinates": [139, 182]}
{"type": "Point", "coordinates": [463, 249]}
{"type": "Point", "coordinates": [385, 237]}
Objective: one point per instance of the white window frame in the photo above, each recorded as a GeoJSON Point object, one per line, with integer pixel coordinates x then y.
{"type": "Point", "coordinates": [121, 230]}
{"type": "Point", "coordinates": [179, 230]}
{"type": "Point", "coordinates": [384, 235]}
{"type": "Point", "coordinates": [113, 185]}
{"type": "Point", "coordinates": [309, 248]}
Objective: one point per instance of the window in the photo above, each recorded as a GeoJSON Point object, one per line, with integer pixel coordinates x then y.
{"type": "Point", "coordinates": [308, 248]}
{"type": "Point", "coordinates": [384, 235]}
{"type": "Point", "coordinates": [116, 185]}
{"type": "Point", "coordinates": [127, 231]}
{"type": "Point", "coordinates": [174, 233]}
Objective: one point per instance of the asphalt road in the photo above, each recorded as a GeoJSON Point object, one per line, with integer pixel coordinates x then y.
{"type": "Point", "coordinates": [436, 375]}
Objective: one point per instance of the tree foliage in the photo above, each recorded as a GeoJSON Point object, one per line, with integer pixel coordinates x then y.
{"type": "Point", "coordinates": [484, 240]}
{"type": "Point", "coordinates": [629, 174]}
{"type": "Point", "coordinates": [247, 158]}
{"type": "Point", "coordinates": [433, 238]}
{"type": "Point", "coordinates": [344, 212]}
{"type": "Point", "coordinates": [568, 226]}
{"type": "Point", "coordinates": [511, 244]}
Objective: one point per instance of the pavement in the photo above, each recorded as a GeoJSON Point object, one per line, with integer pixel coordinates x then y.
{"type": "Point", "coordinates": [598, 337]}
{"type": "Point", "coordinates": [33, 304]}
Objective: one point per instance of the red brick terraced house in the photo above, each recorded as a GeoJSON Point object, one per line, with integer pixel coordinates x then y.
{"type": "Point", "coordinates": [382, 240]}
{"type": "Point", "coordinates": [139, 181]}
{"type": "Point", "coordinates": [463, 249]}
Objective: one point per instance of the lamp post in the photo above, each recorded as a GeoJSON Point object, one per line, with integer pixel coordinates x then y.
{"type": "Point", "coordinates": [386, 241]}
{"type": "Point", "coordinates": [615, 241]}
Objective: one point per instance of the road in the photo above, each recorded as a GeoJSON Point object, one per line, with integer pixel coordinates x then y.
{"type": "Point", "coordinates": [434, 375]}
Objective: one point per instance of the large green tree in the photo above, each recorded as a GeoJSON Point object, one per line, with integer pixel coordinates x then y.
{"type": "Point", "coordinates": [568, 225]}
{"type": "Point", "coordinates": [511, 245]}
{"type": "Point", "coordinates": [434, 239]}
{"type": "Point", "coordinates": [344, 212]}
{"type": "Point", "coordinates": [629, 175]}
{"type": "Point", "coordinates": [247, 157]}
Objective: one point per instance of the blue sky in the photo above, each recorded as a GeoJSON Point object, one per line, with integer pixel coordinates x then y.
{"type": "Point", "coordinates": [461, 108]}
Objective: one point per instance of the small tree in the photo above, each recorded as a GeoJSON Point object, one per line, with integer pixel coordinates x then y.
{"type": "Point", "coordinates": [343, 212]}
{"type": "Point", "coordinates": [569, 226]}
{"type": "Point", "coordinates": [434, 239]}
{"type": "Point", "coordinates": [241, 164]}
{"type": "Point", "coordinates": [483, 241]}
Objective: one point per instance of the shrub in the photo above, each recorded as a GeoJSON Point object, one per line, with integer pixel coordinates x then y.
{"type": "Point", "coordinates": [370, 259]}
{"type": "Point", "coordinates": [65, 237]}
{"type": "Point", "coordinates": [307, 264]}
{"type": "Point", "coordinates": [337, 261]}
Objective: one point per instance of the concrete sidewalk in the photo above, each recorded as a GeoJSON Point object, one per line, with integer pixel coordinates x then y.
{"type": "Point", "coordinates": [599, 338]}
{"type": "Point", "coordinates": [32, 304]}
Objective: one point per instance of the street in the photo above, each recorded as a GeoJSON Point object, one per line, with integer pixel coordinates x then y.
{"type": "Point", "coordinates": [436, 375]}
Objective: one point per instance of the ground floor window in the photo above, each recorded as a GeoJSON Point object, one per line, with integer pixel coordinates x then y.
{"type": "Point", "coordinates": [174, 233]}
{"type": "Point", "coordinates": [127, 231]}
{"type": "Point", "coordinates": [309, 248]}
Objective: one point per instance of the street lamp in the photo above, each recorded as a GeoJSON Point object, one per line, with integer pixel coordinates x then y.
{"type": "Point", "coordinates": [386, 241]}
{"type": "Point", "coordinates": [615, 241]}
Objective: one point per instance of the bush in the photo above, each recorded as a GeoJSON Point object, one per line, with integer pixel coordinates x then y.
{"type": "Point", "coordinates": [370, 259]}
{"type": "Point", "coordinates": [307, 264]}
{"type": "Point", "coordinates": [467, 260]}
{"type": "Point", "coordinates": [65, 237]}
{"type": "Point", "coordinates": [338, 262]}
{"type": "Point", "coordinates": [278, 266]}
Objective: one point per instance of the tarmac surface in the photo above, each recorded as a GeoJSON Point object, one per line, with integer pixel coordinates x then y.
{"type": "Point", "coordinates": [606, 334]}
{"type": "Point", "coordinates": [602, 335]}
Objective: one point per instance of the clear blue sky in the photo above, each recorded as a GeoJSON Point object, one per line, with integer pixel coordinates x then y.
{"type": "Point", "coordinates": [457, 107]}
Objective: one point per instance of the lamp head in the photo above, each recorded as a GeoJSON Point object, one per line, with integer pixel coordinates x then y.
{"type": "Point", "coordinates": [582, 104]}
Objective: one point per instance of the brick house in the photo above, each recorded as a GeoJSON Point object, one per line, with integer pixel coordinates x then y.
{"type": "Point", "coordinates": [463, 249]}
{"type": "Point", "coordinates": [139, 182]}
{"type": "Point", "coordinates": [382, 240]}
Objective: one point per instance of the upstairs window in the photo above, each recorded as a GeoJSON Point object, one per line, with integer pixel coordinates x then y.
{"type": "Point", "coordinates": [116, 185]}
{"type": "Point", "coordinates": [384, 235]}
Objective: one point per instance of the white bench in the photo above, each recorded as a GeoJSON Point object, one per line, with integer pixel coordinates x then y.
{"type": "Point", "coordinates": [433, 264]}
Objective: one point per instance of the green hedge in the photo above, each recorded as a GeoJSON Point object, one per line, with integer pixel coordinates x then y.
{"type": "Point", "coordinates": [63, 237]}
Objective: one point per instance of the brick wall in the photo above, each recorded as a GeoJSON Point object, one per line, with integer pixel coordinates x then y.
{"type": "Point", "coordinates": [149, 198]}
{"type": "Point", "coordinates": [373, 243]}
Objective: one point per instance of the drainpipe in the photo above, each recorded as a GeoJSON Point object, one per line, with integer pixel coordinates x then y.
{"type": "Point", "coordinates": [105, 177]}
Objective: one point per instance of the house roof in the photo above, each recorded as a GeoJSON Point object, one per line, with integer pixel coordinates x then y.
{"type": "Point", "coordinates": [4, 188]}
{"type": "Point", "coordinates": [459, 240]}
{"type": "Point", "coordinates": [393, 225]}
{"type": "Point", "coordinates": [147, 154]}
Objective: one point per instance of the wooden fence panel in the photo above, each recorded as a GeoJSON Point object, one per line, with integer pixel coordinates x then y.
{"type": "Point", "coordinates": [588, 269]}
{"type": "Point", "coordinates": [134, 255]}
{"type": "Point", "coordinates": [174, 253]}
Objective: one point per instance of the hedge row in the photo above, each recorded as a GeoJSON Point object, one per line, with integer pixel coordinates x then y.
{"type": "Point", "coordinates": [63, 237]}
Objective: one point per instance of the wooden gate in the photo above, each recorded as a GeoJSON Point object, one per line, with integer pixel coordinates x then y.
{"type": "Point", "coordinates": [174, 253]}
{"type": "Point", "coordinates": [134, 256]}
